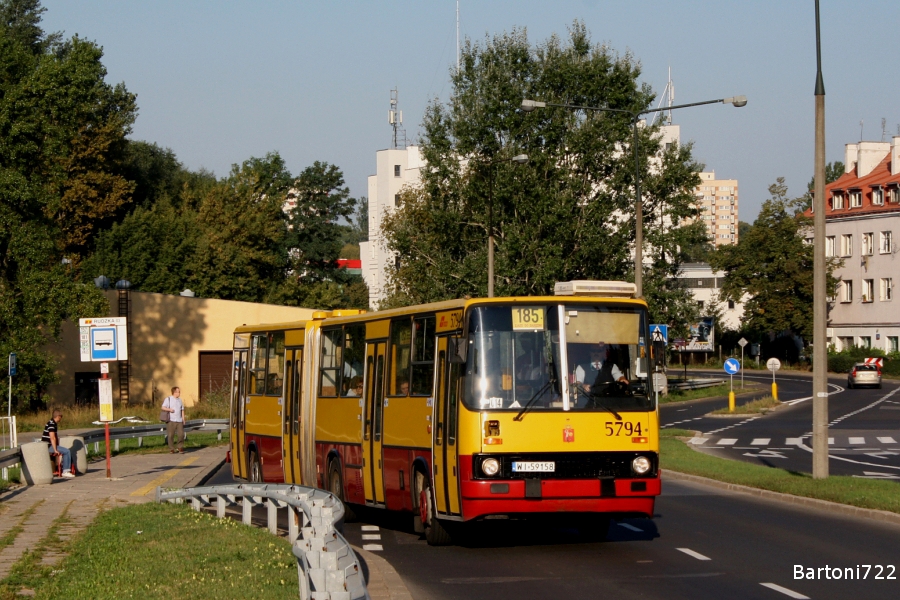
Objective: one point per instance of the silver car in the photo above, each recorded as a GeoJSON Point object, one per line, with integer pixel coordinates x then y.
{"type": "Point", "coordinates": [862, 374]}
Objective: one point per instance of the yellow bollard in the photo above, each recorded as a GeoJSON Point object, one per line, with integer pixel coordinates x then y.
{"type": "Point", "coordinates": [731, 401]}
{"type": "Point", "coordinates": [775, 390]}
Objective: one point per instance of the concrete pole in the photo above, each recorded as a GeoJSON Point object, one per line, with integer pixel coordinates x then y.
{"type": "Point", "coordinates": [638, 217]}
{"type": "Point", "coordinates": [491, 230]}
{"type": "Point", "coordinates": [820, 308]}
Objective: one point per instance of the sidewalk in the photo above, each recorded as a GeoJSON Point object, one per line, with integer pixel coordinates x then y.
{"type": "Point", "coordinates": [134, 481]}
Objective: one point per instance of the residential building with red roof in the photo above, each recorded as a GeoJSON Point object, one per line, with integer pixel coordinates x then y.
{"type": "Point", "coordinates": [862, 227]}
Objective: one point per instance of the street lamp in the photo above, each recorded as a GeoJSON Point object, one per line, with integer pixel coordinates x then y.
{"type": "Point", "coordinates": [520, 159]}
{"type": "Point", "coordinates": [530, 105]}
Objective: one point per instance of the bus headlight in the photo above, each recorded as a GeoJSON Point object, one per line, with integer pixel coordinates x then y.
{"type": "Point", "coordinates": [640, 465]}
{"type": "Point", "coordinates": [490, 467]}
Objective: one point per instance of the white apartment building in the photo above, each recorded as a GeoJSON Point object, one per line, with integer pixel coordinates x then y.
{"type": "Point", "coordinates": [395, 168]}
{"type": "Point", "coordinates": [717, 200]}
{"type": "Point", "coordinates": [862, 227]}
{"type": "Point", "coordinates": [704, 285]}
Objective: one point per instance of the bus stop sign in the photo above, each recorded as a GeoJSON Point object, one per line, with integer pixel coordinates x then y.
{"type": "Point", "coordinates": [103, 339]}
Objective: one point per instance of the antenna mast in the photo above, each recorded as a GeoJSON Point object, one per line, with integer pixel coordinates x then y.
{"type": "Point", "coordinates": [395, 118]}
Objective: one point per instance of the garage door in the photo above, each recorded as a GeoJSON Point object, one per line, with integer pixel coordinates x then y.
{"type": "Point", "coordinates": [215, 372]}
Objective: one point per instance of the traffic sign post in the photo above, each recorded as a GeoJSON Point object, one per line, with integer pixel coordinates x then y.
{"type": "Point", "coordinates": [13, 369]}
{"type": "Point", "coordinates": [773, 364]}
{"type": "Point", "coordinates": [742, 342]}
{"type": "Point", "coordinates": [732, 366]}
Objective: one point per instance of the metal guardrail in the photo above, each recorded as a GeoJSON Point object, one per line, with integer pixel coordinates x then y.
{"type": "Point", "coordinates": [13, 456]}
{"type": "Point", "coordinates": [695, 384]}
{"type": "Point", "coordinates": [327, 567]}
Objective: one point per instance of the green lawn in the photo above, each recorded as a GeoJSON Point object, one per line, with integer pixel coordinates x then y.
{"type": "Point", "coordinates": [865, 493]}
{"type": "Point", "coordinates": [157, 444]}
{"type": "Point", "coordinates": [160, 551]}
{"type": "Point", "coordinates": [13, 474]}
{"type": "Point", "coordinates": [754, 407]}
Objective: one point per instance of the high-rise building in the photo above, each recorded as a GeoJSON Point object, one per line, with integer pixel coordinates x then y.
{"type": "Point", "coordinates": [717, 200]}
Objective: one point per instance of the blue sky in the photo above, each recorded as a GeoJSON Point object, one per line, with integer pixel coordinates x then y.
{"type": "Point", "coordinates": [219, 82]}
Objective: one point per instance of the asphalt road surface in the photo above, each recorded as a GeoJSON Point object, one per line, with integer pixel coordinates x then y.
{"type": "Point", "coordinates": [864, 427]}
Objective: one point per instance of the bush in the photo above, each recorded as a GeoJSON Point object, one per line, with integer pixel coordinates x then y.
{"type": "Point", "coordinates": [843, 361]}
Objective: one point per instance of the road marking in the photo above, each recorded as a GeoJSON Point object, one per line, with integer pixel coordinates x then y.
{"type": "Point", "coordinates": [630, 527]}
{"type": "Point", "coordinates": [831, 441]}
{"type": "Point", "coordinates": [369, 528]}
{"type": "Point", "coordinates": [766, 454]}
{"type": "Point", "coordinates": [696, 555]}
{"type": "Point", "coordinates": [785, 591]}
{"type": "Point", "coordinates": [699, 441]}
{"type": "Point", "coordinates": [793, 441]}
{"type": "Point", "coordinates": [373, 547]}
{"type": "Point", "coordinates": [163, 478]}
{"type": "Point", "coordinates": [371, 536]}
{"type": "Point", "coordinates": [881, 455]}
{"type": "Point", "coordinates": [877, 475]}
{"type": "Point", "coordinates": [887, 440]}
{"type": "Point", "coordinates": [857, 440]}
{"type": "Point", "coordinates": [761, 442]}
{"type": "Point", "coordinates": [727, 442]}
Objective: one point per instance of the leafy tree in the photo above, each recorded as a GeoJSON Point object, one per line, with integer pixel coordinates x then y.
{"type": "Point", "coordinates": [773, 265]}
{"type": "Point", "coordinates": [62, 129]}
{"type": "Point", "coordinates": [833, 172]}
{"type": "Point", "coordinates": [569, 212]}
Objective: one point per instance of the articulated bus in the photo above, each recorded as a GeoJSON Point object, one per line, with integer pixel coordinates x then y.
{"type": "Point", "coordinates": [458, 410]}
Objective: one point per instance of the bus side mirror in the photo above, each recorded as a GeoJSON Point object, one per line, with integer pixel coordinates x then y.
{"type": "Point", "coordinates": [456, 350]}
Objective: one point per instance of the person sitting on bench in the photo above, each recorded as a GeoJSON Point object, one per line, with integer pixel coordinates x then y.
{"type": "Point", "coordinates": [52, 437]}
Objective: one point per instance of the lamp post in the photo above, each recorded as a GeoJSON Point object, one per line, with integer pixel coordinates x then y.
{"type": "Point", "coordinates": [737, 101]}
{"type": "Point", "coordinates": [520, 159]}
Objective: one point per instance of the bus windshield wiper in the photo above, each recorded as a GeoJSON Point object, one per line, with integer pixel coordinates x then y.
{"type": "Point", "coordinates": [532, 400]}
{"type": "Point", "coordinates": [594, 399]}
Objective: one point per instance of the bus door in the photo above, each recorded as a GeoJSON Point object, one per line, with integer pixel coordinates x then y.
{"type": "Point", "coordinates": [444, 446]}
{"type": "Point", "coordinates": [293, 395]}
{"type": "Point", "coordinates": [373, 426]}
{"type": "Point", "coordinates": [238, 399]}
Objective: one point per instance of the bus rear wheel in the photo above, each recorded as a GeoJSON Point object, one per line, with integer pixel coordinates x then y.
{"type": "Point", "coordinates": [255, 469]}
{"type": "Point", "coordinates": [436, 533]}
{"type": "Point", "coordinates": [336, 487]}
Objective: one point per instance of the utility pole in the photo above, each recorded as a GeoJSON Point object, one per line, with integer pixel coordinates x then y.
{"type": "Point", "coordinates": [820, 308]}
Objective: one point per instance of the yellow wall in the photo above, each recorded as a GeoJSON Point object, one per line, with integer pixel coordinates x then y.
{"type": "Point", "coordinates": [166, 334]}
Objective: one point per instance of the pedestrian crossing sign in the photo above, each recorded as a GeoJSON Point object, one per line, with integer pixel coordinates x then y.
{"type": "Point", "coordinates": [659, 333]}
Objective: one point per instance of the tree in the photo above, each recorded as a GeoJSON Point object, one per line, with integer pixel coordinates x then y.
{"type": "Point", "coordinates": [833, 172]}
{"type": "Point", "coordinates": [569, 212]}
{"type": "Point", "coordinates": [773, 265]}
{"type": "Point", "coordinates": [62, 129]}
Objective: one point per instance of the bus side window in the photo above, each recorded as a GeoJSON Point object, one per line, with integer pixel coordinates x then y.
{"type": "Point", "coordinates": [401, 338]}
{"type": "Point", "coordinates": [330, 373]}
{"type": "Point", "coordinates": [379, 399]}
{"type": "Point", "coordinates": [354, 355]}
{"type": "Point", "coordinates": [423, 356]}
{"type": "Point", "coordinates": [452, 401]}
{"type": "Point", "coordinates": [275, 371]}
{"type": "Point", "coordinates": [258, 352]}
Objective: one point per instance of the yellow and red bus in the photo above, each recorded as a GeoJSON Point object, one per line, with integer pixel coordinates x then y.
{"type": "Point", "coordinates": [458, 410]}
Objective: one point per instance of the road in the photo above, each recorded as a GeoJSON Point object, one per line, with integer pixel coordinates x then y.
{"type": "Point", "coordinates": [864, 427]}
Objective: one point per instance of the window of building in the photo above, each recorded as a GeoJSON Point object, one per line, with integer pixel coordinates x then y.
{"type": "Point", "coordinates": [886, 289]}
{"type": "Point", "coordinates": [865, 341]}
{"type": "Point", "coordinates": [396, 170]}
{"type": "Point", "coordinates": [731, 304]}
{"type": "Point", "coordinates": [893, 343]}
{"type": "Point", "coordinates": [396, 199]}
{"type": "Point", "coordinates": [868, 290]}
{"type": "Point", "coordinates": [868, 244]}
{"type": "Point", "coordinates": [887, 242]}
{"type": "Point", "coordinates": [847, 291]}
{"type": "Point", "coordinates": [878, 196]}
{"type": "Point", "coordinates": [846, 343]}
{"type": "Point", "coordinates": [855, 199]}
{"type": "Point", "coordinates": [829, 246]}
{"type": "Point", "coordinates": [699, 303]}
{"type": "Point", "coordinates": [847, 244]}
{"type": "Point", "coordinates": [837, 201]}
{"type": "Point", "coordinates": [894, 195]}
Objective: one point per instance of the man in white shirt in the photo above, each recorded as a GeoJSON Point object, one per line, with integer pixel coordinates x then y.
{"type": "Point", "coordinates": [600, 371]}
{"type": "Point", "coordinates": [175, 426]}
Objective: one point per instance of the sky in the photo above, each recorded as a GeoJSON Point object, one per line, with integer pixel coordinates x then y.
{"type": "Point", "coordinates": [221, 81]}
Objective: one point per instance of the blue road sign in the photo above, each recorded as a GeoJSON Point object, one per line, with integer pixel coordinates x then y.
{"type": "Point", "coordinates": [732, 366]}
{"type": "Point", "coordinates": [659, 333]}
{"type": "Point", "coordinates": [13, 366]}
{"type": "Point", "coordinates": [103, 343]}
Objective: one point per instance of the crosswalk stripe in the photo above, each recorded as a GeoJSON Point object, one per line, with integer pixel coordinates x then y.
{"type": "Point", "coordinates": [793, 441]}
{"type": "Point", "coordinates": [887, 440]}
{"type": "Point", "coordinates": [761, 442]}
{"type": "Point", "coordinates": [371, 536]}
{"type": "Point", "coordinates": [727, 442]}
{"type": "Point", "coordinates": [373, 547]}
{"type": "Point", "coordinates": [699, 441]}
{"type": "Point", "coordinates": [369, 528]}
{"type": "Point", "coordinates": [857, 440]}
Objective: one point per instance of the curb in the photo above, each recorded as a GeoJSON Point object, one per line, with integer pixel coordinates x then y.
{"type": "Point", "coordinates": [825, 505]}
{"type": "Point", "coordinates": [384, 581]}
{"type": "Point", "coordinates": [206, 474]}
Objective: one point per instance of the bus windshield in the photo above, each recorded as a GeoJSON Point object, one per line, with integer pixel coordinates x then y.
{"type": "Point", "coordinates": [519, 356]}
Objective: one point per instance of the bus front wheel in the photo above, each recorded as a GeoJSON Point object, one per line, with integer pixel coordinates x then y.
{"type": "Point", "coordinates": [336, 487]}
{"type": "Point", "coordinates": [435, 532]}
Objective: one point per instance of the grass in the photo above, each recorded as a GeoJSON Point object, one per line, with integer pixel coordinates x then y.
{"type": "Point", "coordinates": [28, 571]}
{"type": "Point", "coordinates": [710, 392]}
{"type": "Point", "coordinates": [163, 551]}
{"type": "Point", "coordinates": [854, 491]}
{"type": "Point", "coordinates": [213, 406]}
{"type": "Point", "coordinates": [157, 444]}
{"type": "Point", "coordinates": [755, 407]}
{"type": "Point", "coordinates": [10, 536]}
